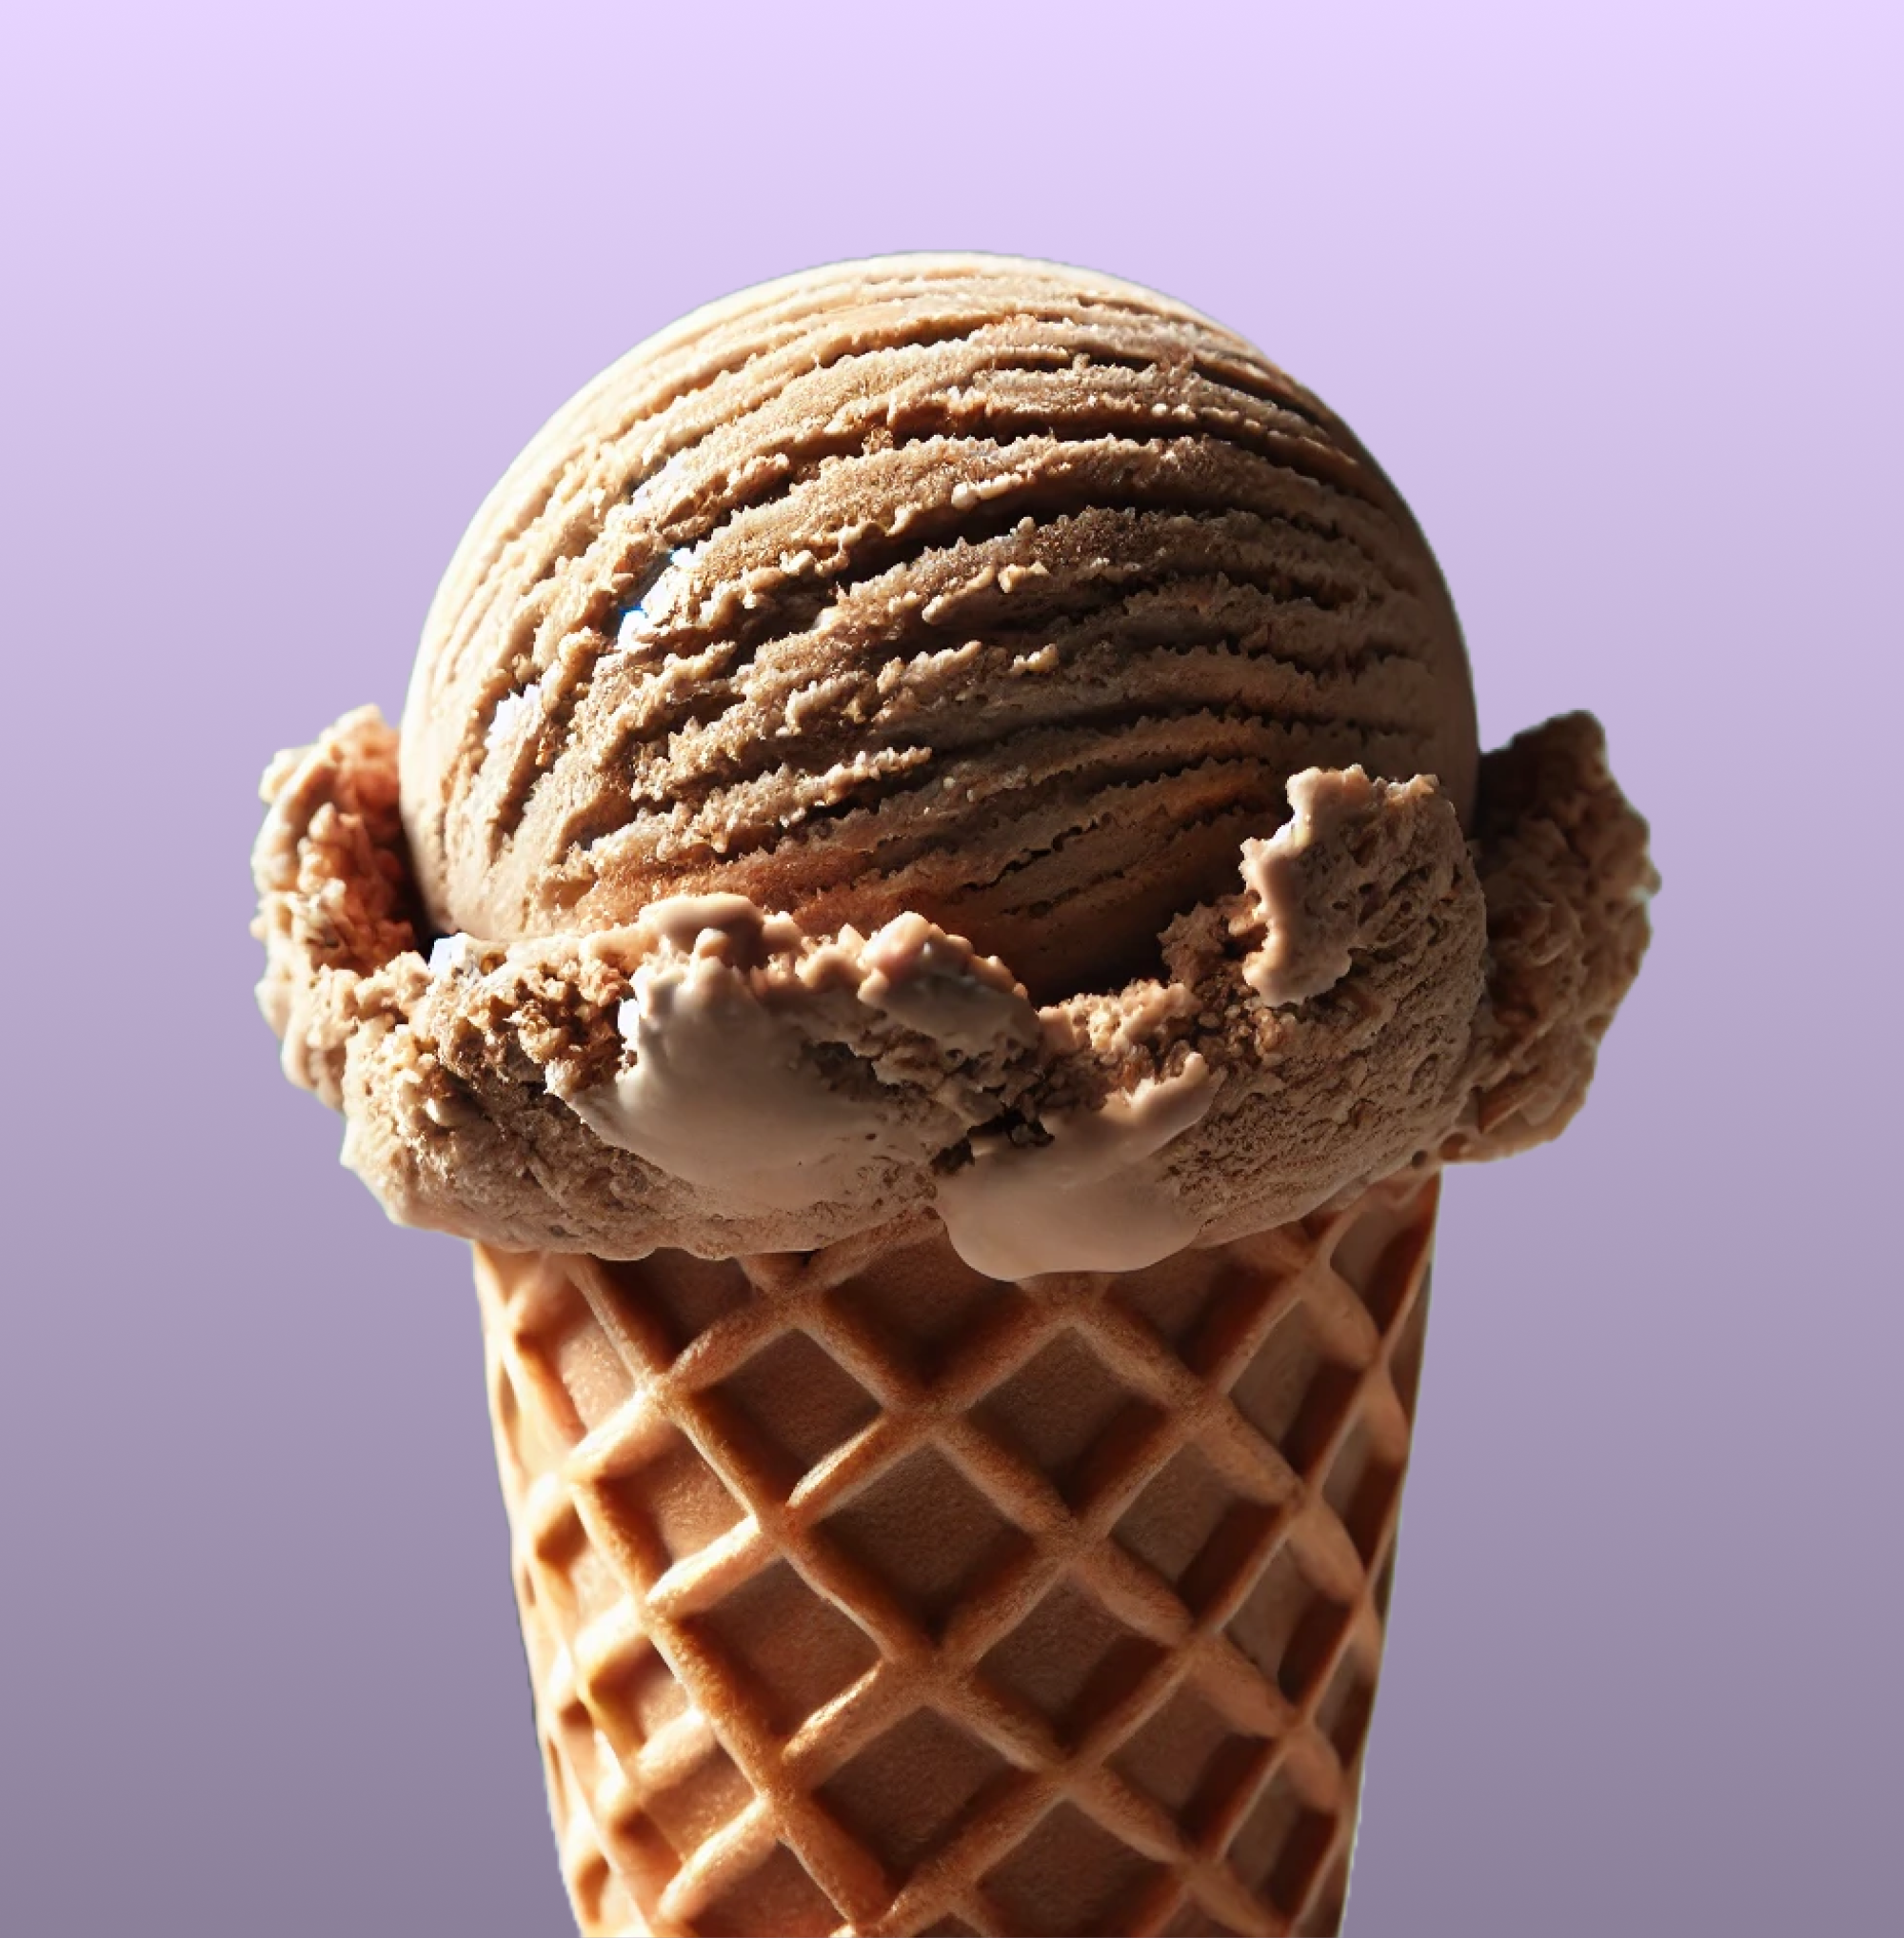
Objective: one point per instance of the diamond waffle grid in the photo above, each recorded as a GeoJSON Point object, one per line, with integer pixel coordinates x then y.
{"type": "Point", "coordinates": [740, 1658]}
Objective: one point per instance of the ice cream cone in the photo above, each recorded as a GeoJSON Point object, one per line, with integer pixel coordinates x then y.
{"type": "Point", "coordinates": [864, 1594]}
{"type": "Point", "coordinates": [936, 784]}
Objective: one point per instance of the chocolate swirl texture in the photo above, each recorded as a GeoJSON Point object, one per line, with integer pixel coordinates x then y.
{"type": "Point", "coordinates": [1006, 594]}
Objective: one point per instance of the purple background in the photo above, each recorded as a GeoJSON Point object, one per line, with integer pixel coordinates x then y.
{"type": "Point", "coordinates": [1613, 294]}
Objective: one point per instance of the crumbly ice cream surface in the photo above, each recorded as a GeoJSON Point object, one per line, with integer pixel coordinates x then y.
{"type": "Point", "coordinates": [943, 730]}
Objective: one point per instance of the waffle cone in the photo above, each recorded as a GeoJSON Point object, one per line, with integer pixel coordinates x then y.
{"type": "Point", "coordinates": [862, 1593]}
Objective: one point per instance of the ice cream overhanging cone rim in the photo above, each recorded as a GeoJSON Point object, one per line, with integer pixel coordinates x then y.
{"type": "Point", "coordinates": [1464, 985]}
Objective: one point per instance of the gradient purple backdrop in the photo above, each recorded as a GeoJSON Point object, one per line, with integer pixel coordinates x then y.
{"type": "Point", "coordinates": [1612, 291]}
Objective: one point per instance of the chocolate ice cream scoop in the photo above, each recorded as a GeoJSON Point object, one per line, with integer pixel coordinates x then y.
{"type": "Point", "coordinates": [934, 915]}
{"type": "Point", "coordinates": [1006, 594]}
{"type": "Point", "coordinates": [942, 731]}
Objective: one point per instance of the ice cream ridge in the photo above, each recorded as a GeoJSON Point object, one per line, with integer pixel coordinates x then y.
{"type": "Point", "coordinates": [936, 914]}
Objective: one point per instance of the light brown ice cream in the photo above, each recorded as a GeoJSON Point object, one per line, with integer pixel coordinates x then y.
{"type": "Point", "coordinates": [1005, 594]}
{"type": "Point", "coordinates": [942, 730]}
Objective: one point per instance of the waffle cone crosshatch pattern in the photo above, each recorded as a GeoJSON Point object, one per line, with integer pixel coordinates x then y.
{"type": "Point", "coordinates": [862, 1593]}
